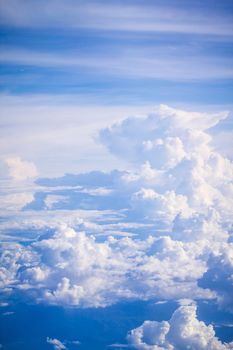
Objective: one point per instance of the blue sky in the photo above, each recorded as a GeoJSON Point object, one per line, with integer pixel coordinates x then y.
{"type": "Point", "coordinates": [118, 52]}
{"type": "Point", "coordinates": [116, 174]}
{"type": "Point", "coordinates": [106, 60]}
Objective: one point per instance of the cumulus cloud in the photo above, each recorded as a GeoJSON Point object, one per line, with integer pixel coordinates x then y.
{"type": "Point", "coordinates": [174, 160]}
{"type": "Point", "coordinates": [187, 191]}
{"type": "Point", "coordinates": [219, 275]}
{"type": "Point", "coordinates": [71, 268]}
{"type": "Point", "coordinates": [180, 189]}
{"type": "Point", "coordinates": [166, 205]}
{"type": "Point", "coordinates": [183, 331]}
{"type": "Point", "coordinates": [20, 169]}
{"type": "Point", "coordinates": [57, 344]}
{"type": "Point", "coordinates": [163, 138]}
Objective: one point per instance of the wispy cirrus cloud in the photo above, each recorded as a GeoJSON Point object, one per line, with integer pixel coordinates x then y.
{"type": "Point", "coordinates": [129, 63]}
{"type": "Point", "coordinates": [117, 48]}
{"type": "Point", "coordinates": [165, 18]}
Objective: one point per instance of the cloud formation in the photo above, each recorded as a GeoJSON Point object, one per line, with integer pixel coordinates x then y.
{"type": "Point", "coordinates": [122, 16]}
{"type": "Point", "coordinates": [175, 160]}
{"type": "Point", "coordinates": [20, 169]}
{"type": "Point", "coordinates": [57, 344]}
{"type": "Point", "coordinates": [163, 138]}
{"type": "Point", "coordinates": [171, 237]}
{"type": "Point", "coordinates": [69, 268]}
{"type": "Point", "coordinates": [183, 331]}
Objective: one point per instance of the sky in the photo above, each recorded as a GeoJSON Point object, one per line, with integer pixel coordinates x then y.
{"type": "Point", "coordinates": [116, 174]}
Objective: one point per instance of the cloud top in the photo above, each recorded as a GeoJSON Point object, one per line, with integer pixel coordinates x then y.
{"type": "Point", "coordinates": [163, 138]}
{"type": "Point", "coordinates": [20, 169]}
{"type": "Point", "coordinates": [182, 332]}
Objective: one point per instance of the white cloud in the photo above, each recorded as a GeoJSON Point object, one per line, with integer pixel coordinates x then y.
{"type": "Point", "coordinates": [70, 268]}
{"type": "Point", "coordinates": [116, 16]}
{"type": "Point", "coordinates": [163, 138]}
{"type": "Point", "coordinates": [15, 201]}
{"type": "Point", "coordinates": [219, 275]}
{"type": "Point", "coordinates": [154, 63]}
{"type": "Point", "coordinates": [190, 179]}
{"type": "Point", "coordinates": [57, 344]}
{"type": "Point", "coordinates": [178, 199]}
{"type": "Point", "coordinates": [163, 206]}
{"type": "Point", "coordinates": [20, 169]}
{"type": "Point", "coordinates": [182, 331]}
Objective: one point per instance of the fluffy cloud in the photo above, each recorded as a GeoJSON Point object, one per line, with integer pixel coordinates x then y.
{"type": "Point", "coordinates": [183, 331]}
{"type": "Point", "coordinates": [163, 138]}
{"type": "Point", "coordinates": [219, 275]}
{"type": "Point", "coordinates": [165, 206]}
{"type": "Point", "coordinates": [180, 189]}
{"type": "Point", "coordinates": [20, 169]}
{"type": "Point", "coordinates": [57, 344]}
{"type": "Point", "coordinates": [68, 268]}
{"type": "Point", "coordinates": [71, 268]}
{"type": "Point", "coordinates": [177, 170]}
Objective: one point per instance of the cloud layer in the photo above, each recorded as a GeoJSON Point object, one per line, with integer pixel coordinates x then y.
{"type": "Point", "coordinates": [163, 230]}
{"type": "Point", "coordinates": [69, 268]}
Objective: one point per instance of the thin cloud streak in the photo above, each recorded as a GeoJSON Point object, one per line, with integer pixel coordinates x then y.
{"type": "Point", "coordinates": [131, 63]}
{"type": "Point", "coordinates": [115, 17]}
